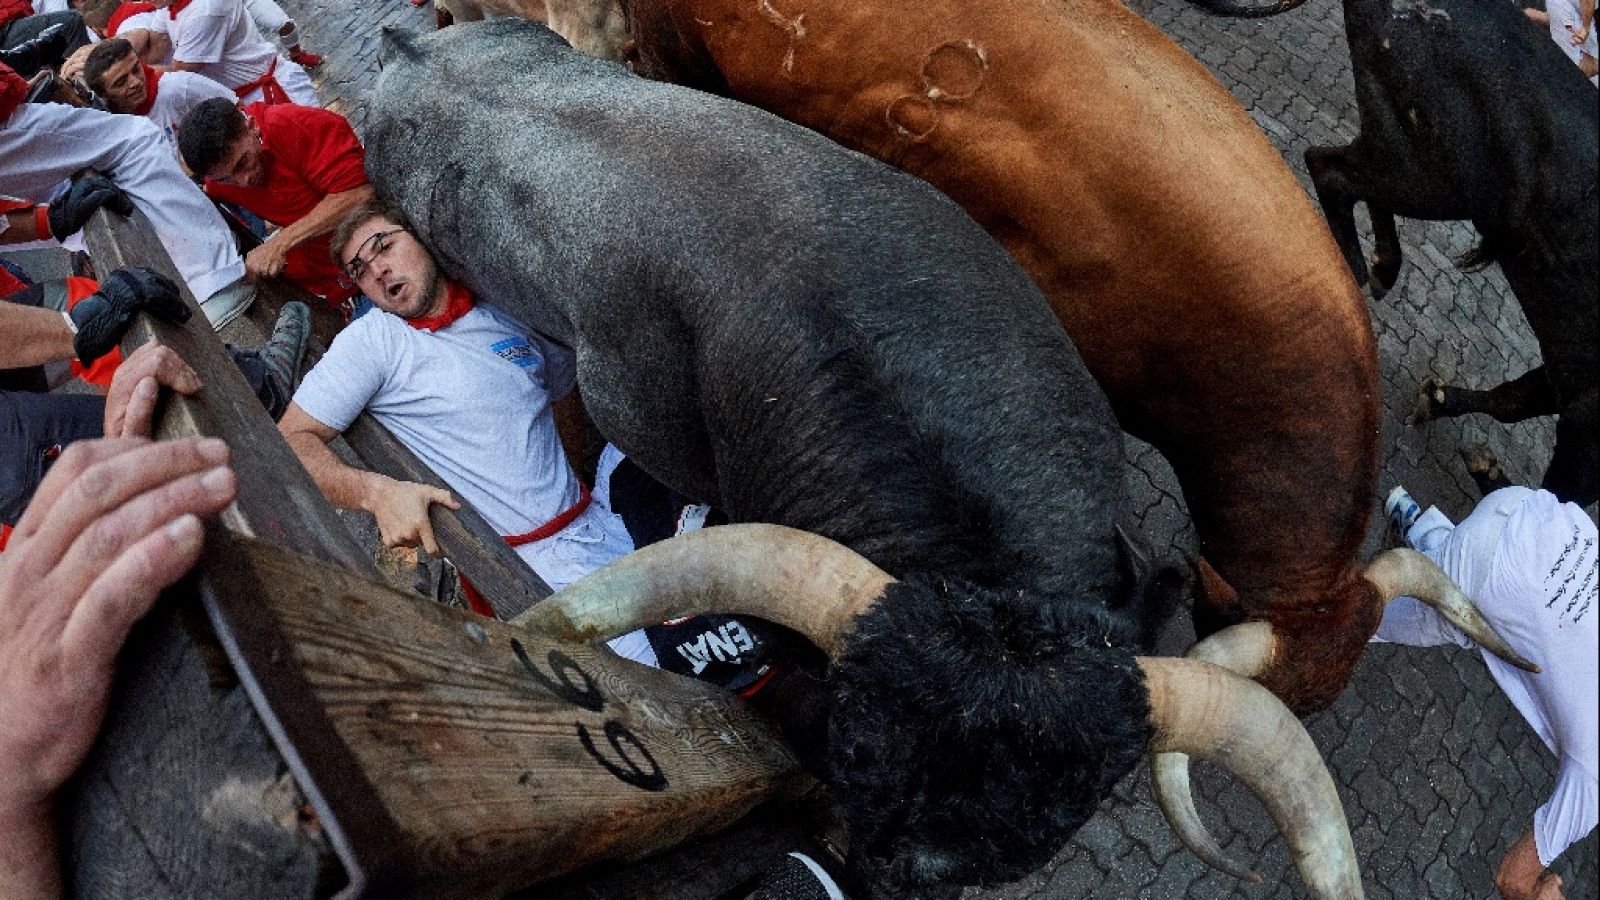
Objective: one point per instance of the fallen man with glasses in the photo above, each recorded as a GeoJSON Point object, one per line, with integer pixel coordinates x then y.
{"type": "Point", "coordinates": [464, 388]}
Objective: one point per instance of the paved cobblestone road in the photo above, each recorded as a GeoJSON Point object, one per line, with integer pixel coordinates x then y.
{"type": "Point", "coordinates": [1438, 773]}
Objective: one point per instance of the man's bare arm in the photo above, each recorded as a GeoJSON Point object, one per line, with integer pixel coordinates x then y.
{"type": "Point", "coordinates": [21, 228]}
{"type": "Point", "coordinates": [401, 507]}
{"type": "Point", "coordinates": [33, 336]}
{"type": "Point", "coordinates": [267, 260]}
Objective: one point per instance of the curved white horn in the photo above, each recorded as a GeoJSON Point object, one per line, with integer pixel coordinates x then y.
{"type": "Point", "coordinates": [796, 579]}
{"type": "Point", "coordinates": [1245, 650]}
{"type": "Point", "coordinates": [1401, 572]}
{"type": "Point", "coordinates": [1204, 710]}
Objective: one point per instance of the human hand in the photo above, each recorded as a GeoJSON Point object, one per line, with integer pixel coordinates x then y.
{"type": "Point", "coordinates": [1579, 35]}
{"type": "Point", "coordinates": [102, 317]}
{"type": "Point", "coordinates": [401, 508]}
{"type": "Point", "coordinates": [1522, 876]}
{"type": "Point", "coordinates": [88, 192]}
{"type": "Point", "coordinates": [113, 523]}
{"type": "Point", "coordinates": [72, 66]}
{"type": "Point", "coordinates": [131, 399]}
{"type": "Point", "coordinates": [265, 261]}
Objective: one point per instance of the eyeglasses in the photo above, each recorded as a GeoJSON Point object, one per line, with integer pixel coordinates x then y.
{"type": "Point", "coordinates": [369, 252]}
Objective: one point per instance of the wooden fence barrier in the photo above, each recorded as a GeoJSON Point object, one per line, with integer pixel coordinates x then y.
{"type": "Point", "coordinates": [285, 726]}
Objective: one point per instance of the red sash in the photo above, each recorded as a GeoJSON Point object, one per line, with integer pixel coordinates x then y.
{"type": "Point", "coordinates": [272, 93]}
{"type": "Point", "coordinates": [174, 9]}
{"type": "Point", "coordinates": [123, 13]}
{"type": "Point", "coordinates": [152, 77]}
{"type": "Point", "coordinates": [564, 518]}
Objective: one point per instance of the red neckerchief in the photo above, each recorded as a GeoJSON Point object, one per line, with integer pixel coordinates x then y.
{"type": "Point", "coordinates": [174, 9]}
{"type": "Point", "coordinates": [13, 90]}
{"type": "Point", "coordinates": [125, 12]}
{"type": "Point", "coordinates": [457, 303]}
{"type": "Point", "coordinates": [151, 77]}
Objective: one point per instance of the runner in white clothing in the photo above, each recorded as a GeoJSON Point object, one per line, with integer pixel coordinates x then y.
{"type": "Point", "coordinates": [1529, 563]}
{"type": "Point", "coordinates": [130, 87]}
{"type": "Point", "coordinates": [42, 145]}
{"type": "Point", "coordinates": [217, 39]}
{"type": "Point", "coordinates": [466, 389]}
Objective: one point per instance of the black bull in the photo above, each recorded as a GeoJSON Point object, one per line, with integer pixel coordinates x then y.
{"type": "Point", "coordinates": [1468, 111]}
{"type": "Point", "coordinates": [801, 335]}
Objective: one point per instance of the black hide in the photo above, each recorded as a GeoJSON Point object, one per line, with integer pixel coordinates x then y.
{"type": "Point", "coordinates": [801, 335]}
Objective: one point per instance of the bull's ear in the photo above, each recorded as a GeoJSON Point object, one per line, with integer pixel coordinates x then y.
{"type": "Point", "coordinates": [1215, 592]}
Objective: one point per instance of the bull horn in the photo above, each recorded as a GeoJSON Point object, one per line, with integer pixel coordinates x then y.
{"type": "Point", "coordinates": [1401, 573]}
{"type": "Point", "coordinates": [1203, 709]}
{"type": "Point", "coordinates": [799, 580]}
{"type": "Point", "coordinates": [1245, 650]}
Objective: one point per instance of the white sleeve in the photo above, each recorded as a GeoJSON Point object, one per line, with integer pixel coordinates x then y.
{"type": "Point", "coordinates": [1570, 813]}
{"type": "Point", "coordinates": [203, 38]}
{"type": "Point", "coordinates": [348, 376]}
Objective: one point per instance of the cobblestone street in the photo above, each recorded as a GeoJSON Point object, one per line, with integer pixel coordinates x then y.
{"type": "Point", "coordinates": [1437, 772]}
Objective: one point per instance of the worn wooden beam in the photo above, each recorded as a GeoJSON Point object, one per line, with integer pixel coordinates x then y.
{"type": "Point", "coordinates": [504, 757]}
{"type": "Point", "coordinates": [277, 499]}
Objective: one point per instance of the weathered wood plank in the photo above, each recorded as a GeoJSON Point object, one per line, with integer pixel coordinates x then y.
{"type": "Point", "coordinates": [277, 499]}
{"type": "Point", "coordinates": [184, 795]}
{"type": "Point", "coordinates": [505, 757]}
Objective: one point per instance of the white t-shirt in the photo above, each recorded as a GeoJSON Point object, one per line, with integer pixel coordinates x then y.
{"type": "Point", "coordinates": [1530, 564]}
{"type": "Point", "coordinates": [179, 92]}
{"type": "Point", "coordinates": [472, 401]}
{"type": "Point", "coordinates": [1564, 20]}
{"type": "Point", "coordinates": [218, 35]}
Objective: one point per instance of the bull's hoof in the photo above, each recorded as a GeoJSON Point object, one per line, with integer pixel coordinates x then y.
{"type": "Point", "coordinates": [1430, 401]}
{"type": "Point", "coordinates": [1484, 467]}
{"type": "Point", "coordinates": [1385, 272]}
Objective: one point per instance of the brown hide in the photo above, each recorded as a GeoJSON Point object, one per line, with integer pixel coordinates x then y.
{"type": "Point", "coordinates": [1183, 257]}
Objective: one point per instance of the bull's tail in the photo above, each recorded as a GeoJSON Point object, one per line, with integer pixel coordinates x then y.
{"type": "Point", "coordinates": [1246, 11]}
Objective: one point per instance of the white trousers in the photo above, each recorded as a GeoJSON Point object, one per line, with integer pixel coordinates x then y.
{"type": "Point", "coordinates": [43, 144]}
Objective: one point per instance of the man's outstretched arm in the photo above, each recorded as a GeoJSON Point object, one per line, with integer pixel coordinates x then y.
{"type": "Point", "coordinates": [401, 507]}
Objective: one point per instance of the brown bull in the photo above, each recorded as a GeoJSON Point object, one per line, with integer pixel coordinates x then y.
{"type": "Point", "coordinates": [1187, 264]}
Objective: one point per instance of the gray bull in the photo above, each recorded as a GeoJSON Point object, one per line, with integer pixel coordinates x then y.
{"type": "Point", "coordinates": [806, 337]}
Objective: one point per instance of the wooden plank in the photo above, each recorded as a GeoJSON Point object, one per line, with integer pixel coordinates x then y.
{"type": "Point", "coordinates": [508, 583]}
{"type": "Point", "coordinates": [504, 756]}
{"type": "Point", "coordinates": [183, 794]}
{"type": "Point", "coordinates": [277, 499]}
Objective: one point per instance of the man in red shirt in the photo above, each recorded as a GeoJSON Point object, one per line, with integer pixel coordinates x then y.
{"type": "Point", "coordinates": [298, 167]}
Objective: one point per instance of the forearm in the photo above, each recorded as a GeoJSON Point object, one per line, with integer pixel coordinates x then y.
{"type": "Point", "coordinates": [1588, 66]}
{"type": "Point", "coordinates": [1586, 14]}
{"type": "Point", "coordinates": [33, 336]}
{"type": "Point", "coordinates": [322, 217]}
{"type": "Point", "coordinates": [345, 486]}
{"type": "Point", "coordinates": [30, 867]}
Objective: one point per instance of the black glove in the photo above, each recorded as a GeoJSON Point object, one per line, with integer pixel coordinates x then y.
{"type": "Point", "coordinates": [102, 317]}
{"type": "Point", "coordinates": [45, 51]}
{"type": "Point", "coordinates": [89, 192]}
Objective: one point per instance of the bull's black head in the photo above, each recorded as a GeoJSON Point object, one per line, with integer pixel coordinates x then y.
{"type": "Point", "coordinates": [973, 731]}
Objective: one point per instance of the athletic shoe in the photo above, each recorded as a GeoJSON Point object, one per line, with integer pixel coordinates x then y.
{"type": "Point", "coordinates": [798, 877]}
{"type": "Point", "coordinates": [283, 351]}
{"type": "Point", "coordinates": [1402, 512]}
{"type": "Point", "coordinates": [304, 58]}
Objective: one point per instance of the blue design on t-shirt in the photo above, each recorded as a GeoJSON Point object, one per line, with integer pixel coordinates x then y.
{"type": "Point", "coordinates": [517, 350]}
